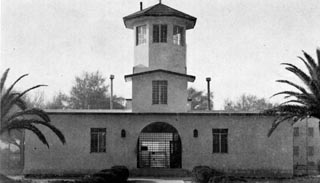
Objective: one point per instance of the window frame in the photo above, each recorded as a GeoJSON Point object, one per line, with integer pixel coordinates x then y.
{"type": "Point", "coordinates": [178, 40]}
{"type": "Point", "coordinates": [296, 150]}
{"type": "Point", "coordinates": [220, 141]}
{"type": "Point", "coordinates": [141, 38]}
{"type": "Point", "coordinates": [98, 144]}
{"type": "Point", "coordinates": [310, 131]}
{"type": "Point", "coordinates": [310, 151]}
{"type": "Point", "coordinates": [159, 33]}
{"type": "Point", "coordinates": [159, 92]}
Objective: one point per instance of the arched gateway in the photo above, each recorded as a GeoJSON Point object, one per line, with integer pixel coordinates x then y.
{"type": "Point", "coordinates": [159, 146]}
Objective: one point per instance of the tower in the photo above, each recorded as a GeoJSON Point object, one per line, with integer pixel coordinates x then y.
{"type": "Point", "coordinates": [159, 79]}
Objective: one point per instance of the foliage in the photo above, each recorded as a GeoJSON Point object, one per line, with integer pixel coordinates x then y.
{"type": "Point", "coordinates": [15, 114]}
{"type": "Point", "coordinates": [90, 92]}
{"type": "Point", "coordinates": [248, 103]}
{"type": "Point", "coordinates": [59, 101]}
{"type": "Point", "coordinates": [36, 101]}
{"type": "Point", "coordinates": [199, 99]}
{"type": "Point", "coordinates": [305, 102]}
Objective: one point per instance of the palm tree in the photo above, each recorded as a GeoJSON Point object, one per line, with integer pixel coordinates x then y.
{"type": "Point", "coordinates": [305, 102]}
{"type": "Point", "coordinates": [15, 115]}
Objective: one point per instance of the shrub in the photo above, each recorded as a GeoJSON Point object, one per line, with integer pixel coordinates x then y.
{"type": "Point", "coordinates": [121, 172]}
{"type": "Point", "coordinates": [202, 174]}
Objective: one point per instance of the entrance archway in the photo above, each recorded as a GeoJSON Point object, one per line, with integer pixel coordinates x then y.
{"type": "Point", "coordinates": [159, 146]}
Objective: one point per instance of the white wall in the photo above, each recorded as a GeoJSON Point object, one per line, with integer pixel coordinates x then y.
{"type": "Point", "coordinates": [250, 150]}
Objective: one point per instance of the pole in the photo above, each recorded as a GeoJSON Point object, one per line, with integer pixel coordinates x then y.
{"type": "Point", "coordinates": [307, 159]}
{"type": "Point", "coordinates": [111, 95]}
{"type": "Point", "coordinates": [208, 86]}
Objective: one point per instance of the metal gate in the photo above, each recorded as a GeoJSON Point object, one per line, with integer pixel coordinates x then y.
{"type": "Point", "coordinates": [159, 149]}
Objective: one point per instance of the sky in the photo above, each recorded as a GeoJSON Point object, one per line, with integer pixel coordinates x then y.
{"type": "Point", "coordinates": [238, 43]}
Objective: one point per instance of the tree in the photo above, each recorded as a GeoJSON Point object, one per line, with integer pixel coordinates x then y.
{"type": "Point", "coordinates": [36, 101]}
{"type": "Point", "coordinates": [248, 103]}
{"type": "Point", "coordinates": [199, 99]}
{"type": "Point", "coordinates": [90, 92]}
{"type": "Point", "coordinates": [15, 115]}
{"type": "Point", "coordinates": [305, 101]}
{"type": "Point", "coordinates": [59, 101]}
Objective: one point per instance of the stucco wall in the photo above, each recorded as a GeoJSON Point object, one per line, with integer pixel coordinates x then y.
{"type": "Point", "coordinates": [250, 150]}
{"type": "Point", "coordinates": [142, 93]}
{"type": "Point", "coordinates": [160, 55]}
{"type": "Point", "coordinates": [303, 140]}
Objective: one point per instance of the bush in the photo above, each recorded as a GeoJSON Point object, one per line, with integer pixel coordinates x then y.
{"type": "Point", "coordinates": [202, 174]}
{"type": "Point", "coordinates": [121, 172]}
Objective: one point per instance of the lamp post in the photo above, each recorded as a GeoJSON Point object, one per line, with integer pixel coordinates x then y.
{"type": "Point", "coordinates": [111, 95]}
{"type": "Point", "coordinates": [208, 79]}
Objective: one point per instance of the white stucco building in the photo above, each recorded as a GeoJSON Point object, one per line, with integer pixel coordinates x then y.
{"type": "Point", "coordinates": [161, 133]}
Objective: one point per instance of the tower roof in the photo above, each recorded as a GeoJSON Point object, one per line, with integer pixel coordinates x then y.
{"type": "Point", "coordinates": [160, 10]}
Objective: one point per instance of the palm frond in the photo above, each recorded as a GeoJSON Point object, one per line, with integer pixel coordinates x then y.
{"type": "Point", "coordinates": [3, 79]}
{"type": "Point", "coordinates": [294, 85]}
{"type": "Point", "coordinates": [28, 126]}
{"type": "Point", "coordinates": [10, 103]}
{"type": "Point", "coordinates": [307, 80]}
{"type": "Point", "coordinates": [309, 59]}
{"type": "Point", "coordinates": [33, 111]}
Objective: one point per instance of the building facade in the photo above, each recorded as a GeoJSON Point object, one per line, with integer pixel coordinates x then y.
{"type": "Point", "coordinates": [306, 146]}
{"type": "Point", "coordinates": [160, 133]}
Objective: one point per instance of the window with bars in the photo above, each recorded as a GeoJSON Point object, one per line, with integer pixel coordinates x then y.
{"type": "Point", "coordinates": [160, 92]}
{"type": "Point", "coordinates": [178, 35]}
{"type": "Point", "coordinates": [98, 139]}
{"type": "Point", "coordinates": [295, 150]}
{"type": "Point", "coordinates": [159, 33]}
{"type": "Point", "coordinates": [220, 140]}
{"type": "Point", "coordinates": [141, 34]}
{"type": "Point", "coordinates": [310, 131]}
{"type": "Point", "coordinates": [296, 131]}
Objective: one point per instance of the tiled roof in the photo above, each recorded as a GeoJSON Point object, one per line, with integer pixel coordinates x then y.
{"type": "Point", "coordinates": [160, 10]}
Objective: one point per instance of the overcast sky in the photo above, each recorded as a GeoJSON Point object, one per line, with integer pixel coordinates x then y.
{"type": "Point", "coordinates": [239, 43]}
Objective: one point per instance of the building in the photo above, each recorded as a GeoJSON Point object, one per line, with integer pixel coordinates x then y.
{"type": "Point", "coordinates": [160, 133]}
{"type": "Point", "coordinates": [306, 146]}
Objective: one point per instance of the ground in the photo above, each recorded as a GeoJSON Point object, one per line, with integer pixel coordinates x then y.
{"type": "Point", "coordinates": [314, 179]}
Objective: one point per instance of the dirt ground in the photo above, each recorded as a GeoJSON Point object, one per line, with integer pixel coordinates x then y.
{"type": "Point", "coordinates": [316, 179]}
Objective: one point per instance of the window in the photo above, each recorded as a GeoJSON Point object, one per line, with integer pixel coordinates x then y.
{"type": "Point", "coordinates": [220, 140]}
{"type": "Point", "coordinates": [295, 150]}
{"type": "Point", "coordinates": [195, 133]}
{"type": "Point", "coordinates": [310, 150]}
{"type": "Point", "coordinates": [159, 33]}
{"type": "Point", "coordinates": [178, 35]}
{"type": "Point", "coordinates": [141, 34]}
{"type": "Point", "coordinates": [296, 131]}
{"type": "Point", "coordinates": [123, 133]}
{"type": "Point", "coordinates": [159, 92]}
{"type": "Point", "coordinates": [98, 139]}
{"type": "Point", "coordinates": [310, 132]}
{"type": "Point", "coordinates": [311, 163]}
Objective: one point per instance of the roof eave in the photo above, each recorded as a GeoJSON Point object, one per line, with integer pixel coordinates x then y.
{"type": "Point", "coordinates": [129, 77]}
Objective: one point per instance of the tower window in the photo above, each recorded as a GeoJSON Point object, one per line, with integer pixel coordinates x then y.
{"type": "Point", "coordinates": [178, 35]}
{"type": "Point", "coordinates": [141, 34]}
{"type": "Point", "coordinates": [310, 132]}
{"type": "Point", "coordinates": [160, 92]}
{"type": "Point", "coordinates": [295, 150]}
{"type": "Point", "coordinates": [296, 131]}
{"type": "Point", "coordinates": [159, 33]}
{"type": "Point", "coordinates": [98, 139]}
